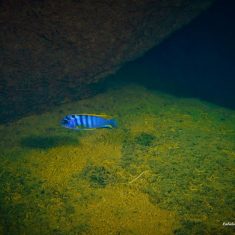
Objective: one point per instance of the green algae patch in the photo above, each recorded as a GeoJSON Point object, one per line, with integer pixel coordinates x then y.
{"type": "Point", "coordinates": [145, 139]}
{"type": "Point", "coordinates": [98, 176]}
{"type": "Point", "coordinates": [167, 169]}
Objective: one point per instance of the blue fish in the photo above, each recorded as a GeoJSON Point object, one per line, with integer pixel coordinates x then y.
{"type": "Point", "coordinates": [88, 121]}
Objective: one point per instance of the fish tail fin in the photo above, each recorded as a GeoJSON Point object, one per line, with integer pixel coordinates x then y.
{"type": "Point", "coordinates": [113, 123]}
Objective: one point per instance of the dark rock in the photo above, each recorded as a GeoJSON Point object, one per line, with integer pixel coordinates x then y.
{"type": "Point", "coordinates": [54, 50]}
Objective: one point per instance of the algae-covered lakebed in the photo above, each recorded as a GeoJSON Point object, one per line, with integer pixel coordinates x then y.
{"type": "Point", "coordinates": [167, 169]}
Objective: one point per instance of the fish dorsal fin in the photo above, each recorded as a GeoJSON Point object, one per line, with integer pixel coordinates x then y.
{"type": "Point", "coordinates": [103, 115]}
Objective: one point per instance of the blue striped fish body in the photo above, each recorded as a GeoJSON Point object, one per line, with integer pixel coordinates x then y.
{"type": "Point", "coordinates": [87, 121]}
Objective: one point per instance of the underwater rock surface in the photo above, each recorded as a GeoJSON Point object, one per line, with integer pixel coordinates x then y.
{"type": "Point", "coordinates": [52, 50]}
{"type": "Point", "coordinates": [168, 167]}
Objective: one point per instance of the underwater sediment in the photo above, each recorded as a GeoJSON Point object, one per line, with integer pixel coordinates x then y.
{"type": "Point", "coordinates": [167, 169]}
{"type": "Point", "coordinates": [51, 51]}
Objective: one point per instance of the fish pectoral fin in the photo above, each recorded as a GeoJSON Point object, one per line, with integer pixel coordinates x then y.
{"type": "Point", "coordinates": [108, 126]}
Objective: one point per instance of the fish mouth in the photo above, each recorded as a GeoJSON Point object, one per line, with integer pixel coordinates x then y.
{"type": "Point", "coordinates": [64, 122]}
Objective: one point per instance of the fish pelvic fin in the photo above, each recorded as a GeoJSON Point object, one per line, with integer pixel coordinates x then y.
{"type": "Point", "coordinates": [108, 126]}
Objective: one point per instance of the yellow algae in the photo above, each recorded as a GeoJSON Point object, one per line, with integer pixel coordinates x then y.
{"type": "Point", "coordinates": [59, 164]}
{"type": "Point", "coordinates": [136, 178]}
{"type": "Point", "coordinates": [157, 173]}
{"type": "Point", "coordinates": [122, 210]}
{"type": "Point", "coordinates": [142, 123]}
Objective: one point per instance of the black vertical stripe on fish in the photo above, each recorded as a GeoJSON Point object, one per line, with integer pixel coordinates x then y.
{"type": "Point", "coordinates": [84, 120]}
{"type": "Point", "coordinates": [81, 121]}
{"type": "Point", "coordinates": [76, 121]}
{"type": "Point", "coordinates": [87, 124]}
{"type": "Point", "coordinates": [89, 121]}
{"type": "Point", "coordinates": [92, 121]}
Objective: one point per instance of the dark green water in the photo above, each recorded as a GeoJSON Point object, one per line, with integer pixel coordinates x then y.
{"type": "Point", "coordinates": [167, 169]}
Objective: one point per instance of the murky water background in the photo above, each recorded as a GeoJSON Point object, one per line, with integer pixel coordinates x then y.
{"type": "Point", "coordinates": [167, 169]}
